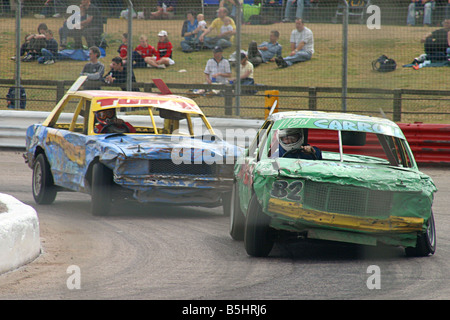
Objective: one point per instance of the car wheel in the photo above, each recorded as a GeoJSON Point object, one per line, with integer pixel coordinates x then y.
{"type": "Point", "coordinates": [258, 238]}
{"type": "Point", "coordinates": [426, 241]}
{"type": "Point", "coordinates": [101, 190]}
{"type": "Point", "coordinates": [226, 203]}
{"type": "Point", "coordinates": [237, 219]}
{"type": "Point", "coordinates": [44, 191]}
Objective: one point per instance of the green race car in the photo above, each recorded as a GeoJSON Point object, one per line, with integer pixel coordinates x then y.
{"type": "Point", "coordinates": [359, 183]}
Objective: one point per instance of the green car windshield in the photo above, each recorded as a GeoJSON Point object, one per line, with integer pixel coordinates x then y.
{"type": "Point", "coordinates": [351, 140]}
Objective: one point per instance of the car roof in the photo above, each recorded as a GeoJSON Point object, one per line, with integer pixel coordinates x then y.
{"type": "Point", "coordinates": [105, 99]}
{"type": "Point", "coordinates": [335, 121]}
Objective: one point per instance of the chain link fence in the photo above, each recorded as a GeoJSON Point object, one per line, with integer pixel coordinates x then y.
{"type": "Point", "coordinates": [417, 95]}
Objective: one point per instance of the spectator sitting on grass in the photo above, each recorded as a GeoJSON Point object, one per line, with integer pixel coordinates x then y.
{"type": "Point", "coordinates": [123, 48]}
{"type": "Point", "coordinates": [219, 40]}
{"type": "Point", "coordinates": [142, 51]}
{"type": "Point", "coordinates": [266, 51]}
{"type": "Point", "coordinates": [302, 46]}
{"type": "Point", "coordinates": [50, 52]}
{"type": "Point", "coordinates": [163, 56]}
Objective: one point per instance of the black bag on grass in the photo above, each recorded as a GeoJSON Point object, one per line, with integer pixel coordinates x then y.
{"type": "Point", "coordinates": [384, 64]}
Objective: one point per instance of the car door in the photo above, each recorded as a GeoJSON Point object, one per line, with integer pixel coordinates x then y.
{"type": "Point", "coordinates": [66, 143]}
{"type": "Point", "coordinates": [251, 157]}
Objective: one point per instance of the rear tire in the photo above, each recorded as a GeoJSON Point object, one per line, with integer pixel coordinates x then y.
{"type": "Point", "coordinates": [102, 181]}
{"type": "Point", "coordinates": [44, 190]}
{"type": "Point", "coordinates": [258, 238]}
{"type": "Point", "coordinates": [426, 241]}
{"type": "Point", "coordinates": [237, 219]}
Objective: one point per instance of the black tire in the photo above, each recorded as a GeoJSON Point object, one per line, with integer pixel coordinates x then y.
{"type": "Point", "coordinates": [44, 190]}
{"type": "Point", "coordinates": [426, 241]}
{"type": "Point", "coordinates": [258, 238]}
{"type": "Point", "coordinates": [102, 181]}
{"type": "Point", "coordinates": [226, 203]}
{"type": "Point", "coordinates": [237, 219]}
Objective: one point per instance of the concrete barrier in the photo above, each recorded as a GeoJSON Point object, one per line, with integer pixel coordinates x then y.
{"type": "Point", "coordinates": [19, 234]}
{"type": "Point", "coordinates": [430, 143]}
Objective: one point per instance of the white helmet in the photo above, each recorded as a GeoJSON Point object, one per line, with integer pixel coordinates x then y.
{"type": "Point", "coordinates": [296, 141]}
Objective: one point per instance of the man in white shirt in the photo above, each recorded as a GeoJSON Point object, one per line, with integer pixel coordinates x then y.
{"type": "Point", "coordinates": [217, 69]}
{"type": "Point", "coordinates": [302, 46]}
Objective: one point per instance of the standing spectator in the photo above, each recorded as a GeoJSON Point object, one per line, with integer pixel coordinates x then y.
{"type": "Point", "coordinates": [217, 24]}
{"type": "Point", "coordinates": [142, 51]}
{"type": "Point", "coordinates": [290, 14]}
{"type": "Point", "coordinates": [118, 74]}
{"type": "Point", "coordinates": [50, 52]}
{"type": "Point", "coordinates": [94, 69]}
{"type": "Point", "coordinates": [188, 31]}
{"type": "Point", "coordinates": [302, 46]}
{"type": "Point", "coordinates": [163, 56]}
{"type": "Point", "coordinates": [266, 51]}
{"type": "Point", "coordinates": [218, 68]}
{"type": "Point", "coordinates": [123, 48]}
{"type": "Point", "coordinates": [447, 10]}
{"type": "Point", "coordinates": [426, 5]}
{"type": "Point", "coordinates": [11, 98]}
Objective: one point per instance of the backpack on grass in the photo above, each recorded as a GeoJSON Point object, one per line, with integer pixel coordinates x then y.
{"type": "Point", "coordinates": [384, 64]}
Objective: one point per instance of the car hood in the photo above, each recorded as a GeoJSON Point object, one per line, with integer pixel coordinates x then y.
{"type": "Point", "coordinates": [178, 148]}
{"type": "Point", "coordinates": [373, 176]}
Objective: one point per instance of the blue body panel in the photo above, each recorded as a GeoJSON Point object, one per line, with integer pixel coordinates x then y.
{"type": "Point", "coordinates": [198, 170]}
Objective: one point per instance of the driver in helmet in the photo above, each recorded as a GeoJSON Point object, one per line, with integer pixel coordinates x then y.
{"type": "Point", "coordinates": [292, 145]}
{"type": "Point", "coordinates": [107, 122]}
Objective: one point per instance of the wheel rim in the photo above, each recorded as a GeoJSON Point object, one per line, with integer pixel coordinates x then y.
{"type": "Point", "coordinates": [37, 178]}
{"type": "Point", "coordinates": [431, 232]}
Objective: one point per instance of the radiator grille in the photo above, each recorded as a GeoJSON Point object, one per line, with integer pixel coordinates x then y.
{"type": "Point", "coordinates": [168, 167]}
{"type": "Point", "coordinates": [347, 200]}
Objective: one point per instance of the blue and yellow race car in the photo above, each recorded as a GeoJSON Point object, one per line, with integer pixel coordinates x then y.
{"type": "Point", "coordinates": [112, 145]}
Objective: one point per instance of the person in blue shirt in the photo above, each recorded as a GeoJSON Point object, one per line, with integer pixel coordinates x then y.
{"type": "Point", "coordinates": [266, 51]}
{"type": "Point", "coordinates": [293, 145]}
{"type": "Point", "coordinates": [188, 31]}
{"type": "Point", "coordinates": [11, 98]}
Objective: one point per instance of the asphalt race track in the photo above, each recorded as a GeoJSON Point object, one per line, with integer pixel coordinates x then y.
{"type": "Point", "coordinates": [148, 252]}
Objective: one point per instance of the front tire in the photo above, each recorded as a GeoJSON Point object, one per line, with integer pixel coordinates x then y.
{"type": "Point", "coordinates": [44, 190]}
{"type": "Point", "coordinates": [426, 241]}
{"type": "Point", "coordinates": [102, 181]}
{"type": "Point", "coordinates": [237, 219]}
{"type": "Point", "coordinates": [258, 238]}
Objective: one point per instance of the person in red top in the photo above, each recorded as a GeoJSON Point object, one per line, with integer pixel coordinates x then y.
{"type": "Point", "coordinates": [142, 51]}
{"type": "Point", "coordinates": [123, 48]}
{"type": "Point", "coordinates": [107, 122]}
{"type": "Point", "coordinates": [164, 52]}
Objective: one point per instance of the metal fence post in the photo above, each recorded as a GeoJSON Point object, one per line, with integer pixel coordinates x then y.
{"type": "Point", "coordinates": [344, 55]}
{"type": "Point", "coordinates": [312, 101]}
{"type": "Point", "coordinates": [397, 107]}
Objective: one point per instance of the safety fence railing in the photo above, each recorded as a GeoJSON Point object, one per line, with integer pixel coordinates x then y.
{"type": "Point", "coordinates": [400, 105]}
